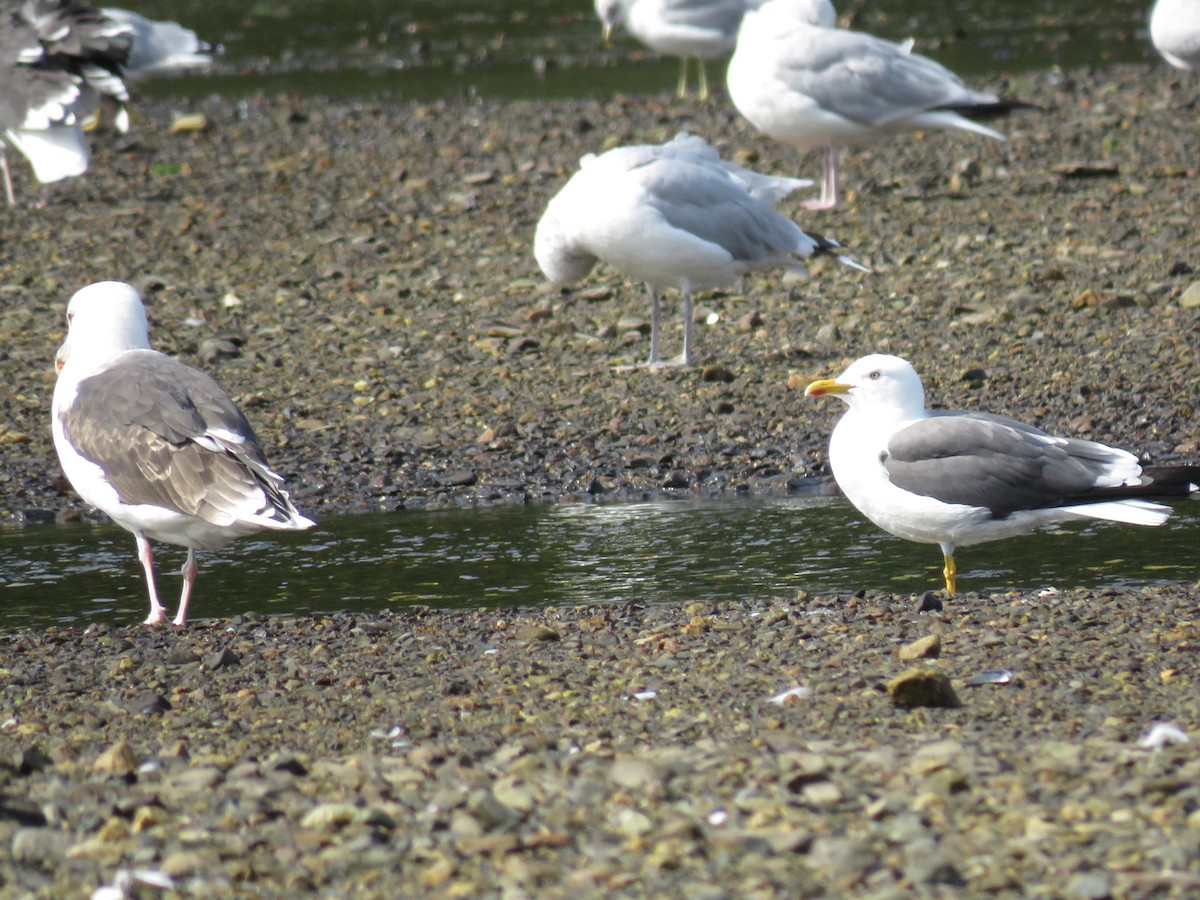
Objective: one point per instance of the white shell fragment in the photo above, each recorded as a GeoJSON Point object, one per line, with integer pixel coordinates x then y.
{"type": "Point", "coordinates": [1160, 734]}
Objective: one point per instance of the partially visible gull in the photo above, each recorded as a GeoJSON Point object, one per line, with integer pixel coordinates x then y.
{"type": "Point", "coordinates": [690, 29]}
{"type": "Point", "coordinates": [161, 48]}
{"type": "Point", "coordinates": [156, 444]}
{"type": "Point", "coordinates": [962, 478]}
{"type": "Point", "coordinates": [57, 57]}
{"type": "Point", "coordinates": [671, 215]}
{"type": "Point", "coordinates": [1175, 32]}
{"type": "Point", "coordinates": [803, 81]}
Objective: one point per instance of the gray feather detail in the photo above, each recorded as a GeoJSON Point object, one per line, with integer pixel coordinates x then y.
{"type": "Point", "coordinates": [142, 420]}
{"type": "Point", "coordinates": [721, 212]}
{"type": "Point", "coordinates": [873, 82]}
{"type": "Point", "coordinates": [995, 463]}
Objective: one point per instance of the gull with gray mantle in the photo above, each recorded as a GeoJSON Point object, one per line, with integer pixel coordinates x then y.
{"type": "Point", "coordinates": [156, 444]}
{"type": "Point", "coordinates": [672, 215]}
{"type": "Point", "coordinates": [957, 478]}
{"type": "Point", "coordinates": [802, 81]}
{"type": "Point", "coordinates": [690, 29]}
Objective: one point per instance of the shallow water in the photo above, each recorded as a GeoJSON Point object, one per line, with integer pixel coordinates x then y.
{"type": "Point", "coordinates": [527, 556]}
{"type": "Point", "coordinates": [431, 49]}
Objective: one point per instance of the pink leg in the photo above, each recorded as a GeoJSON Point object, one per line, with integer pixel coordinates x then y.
{"type": "Point", "coordinates": [189, 579]}
{"type": "Point", "coordinates": [828, 199]}
{"type": "Point", "coordinates": [146, 556]}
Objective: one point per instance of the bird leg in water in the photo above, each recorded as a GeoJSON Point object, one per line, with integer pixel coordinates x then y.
{"type": "Point", "coordinates": [189, 578]}
{"type": "Point", "coordinates": [146, 556]}
{"type": "Point", "coordinates": [950, 571]}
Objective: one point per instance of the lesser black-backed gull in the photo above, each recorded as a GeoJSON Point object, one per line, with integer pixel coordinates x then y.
{"type": "Point", "coordinates": [802, 81]}
{"type": "Point", "coordinates": [960, 478]}
{"type": "Point", "coordinates": [156, 444]}
{"type": "Point", "coordinates": [673, 215]}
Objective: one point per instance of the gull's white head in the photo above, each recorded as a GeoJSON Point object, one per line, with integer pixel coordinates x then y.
{"type": "Point", "coordinates": [611, 14]}
{"type": "Point", "coordinates": [885, 385]}
{"type": "Point", "coordinates": [103, 319]}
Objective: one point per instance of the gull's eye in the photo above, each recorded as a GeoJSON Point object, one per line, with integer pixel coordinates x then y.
{"type": "Point", "coordinates": [876, 375]}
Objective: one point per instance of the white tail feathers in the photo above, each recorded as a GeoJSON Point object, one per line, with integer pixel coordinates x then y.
{"type": "Point", "coordinates": [1131, 512]}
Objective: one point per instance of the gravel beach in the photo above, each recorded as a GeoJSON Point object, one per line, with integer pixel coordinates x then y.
{"type": "Point", "coordinates": [359, 276]}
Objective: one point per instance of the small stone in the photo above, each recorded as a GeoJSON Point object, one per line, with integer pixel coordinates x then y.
{"type": "Point", "coordinates": [1088, 886]}
{"type": "Point", "coordinates": [329, 816]}
{"type": "Point", "coordinates": [928, 602]}
{"type": "Point", "coordinates": [117, 759]}
{"type": "Point", "coordinates": [927, 647]}
{"type": "Point", "coordinates": [40, 846]}
{"type": "Point", "coordinates": [534, 633]}
{"type": "Point", "coordinates": [181, 656]}
{"type": "Point", "coordinates": [749, 321]}
{"type": "Point", "coordinates": [223, 659]}
{"type": "Point", "coordinates": [188, 122]}
{"type": "Point", "coordinates": [922, 687]}
{"type": "Point", "coordinates": [634, 772]}
{"type": "Point", "coordinates": [1190, 298]}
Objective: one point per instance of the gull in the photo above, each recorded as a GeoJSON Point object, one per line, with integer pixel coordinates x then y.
{"type": "Point", "coordinates": [671, 215]}
{"type": "Point", "coordinates": [1175, 32]}
{"type": "Point", "coordinates": [156, 444]}
{"type": "Point", "coordinates": [690, 29]}
{"type": "Point", "coordinates": [957, 478]}
{"type": "Point", "coordinates": [802, 81]}
{"type": "Point", "coordinates": [57, 58]}
{"type": "Point", "coordinates": [160, 47]}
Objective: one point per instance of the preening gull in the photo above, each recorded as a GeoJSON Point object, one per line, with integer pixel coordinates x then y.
{"type": "Point", "coordinates": [57, 57]}
{"type": "Point", "coordinates": [802, 81]}
{"type": "Point", "coordinates": [962, 478]}
{"type": "Point", "coordinates": [1175, 32]}
{"type": "Point", "coordinates": [671, 215]}
{"type": "Point", "coordinates": [156, 444]}
{"type": "Point", "coordinates": [690, 29]}
{"type": "Point", "coordinates": [160, 47]}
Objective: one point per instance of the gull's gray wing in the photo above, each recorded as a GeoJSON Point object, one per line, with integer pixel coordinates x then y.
{"type": "Point", "coordinates": [1000, 464]}
{"type": "Point", "coordinates": [872, 81]}
{"type": "Point", "coordinates": [706, 202]}
{"type": "Point", "coordinates": [166, 434]}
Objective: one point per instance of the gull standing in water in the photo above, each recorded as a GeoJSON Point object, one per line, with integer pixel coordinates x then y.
{"type": "Point", "coordinates": [671, 215]}
{"type": "Point", "coordinates": [690, 29]}
{"type": "Point", "coordinates": [961, 478]}
{"type": "Point", "coordinates": [156, 444]}
{"type": "Point", "coordinates": [802, 81]}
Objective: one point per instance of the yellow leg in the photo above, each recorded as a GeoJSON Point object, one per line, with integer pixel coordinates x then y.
{"type": "Point", "coordinates": [681, 90]}
{"type": "Point", "coordinates": [950, 573]}
{"type": "Point", "coordinates": [703, 80]}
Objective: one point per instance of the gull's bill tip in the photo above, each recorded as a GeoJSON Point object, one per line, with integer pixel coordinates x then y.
{"type": "Point", "coordinates": [826, 386]}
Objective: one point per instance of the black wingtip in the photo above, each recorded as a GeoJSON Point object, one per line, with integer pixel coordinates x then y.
{"type": "Point", "coordinates": [830, 246]}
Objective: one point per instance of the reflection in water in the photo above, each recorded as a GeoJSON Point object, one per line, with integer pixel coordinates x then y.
{"type": "Point", "coordinates": [440, 49]}
{"type": "Point", "coordinates": [708, 550]}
